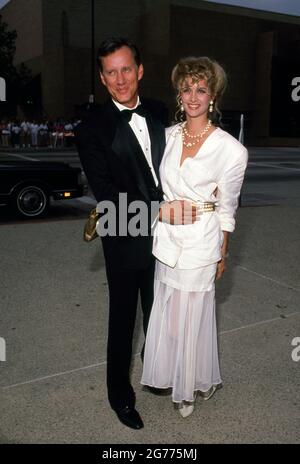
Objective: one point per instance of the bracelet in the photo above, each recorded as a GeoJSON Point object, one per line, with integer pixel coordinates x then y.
{"type": "Point", "coordinates": [226, 255]}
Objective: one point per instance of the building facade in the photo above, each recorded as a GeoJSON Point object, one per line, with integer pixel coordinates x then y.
{"type": "Point", "coordinates": [58, 40]}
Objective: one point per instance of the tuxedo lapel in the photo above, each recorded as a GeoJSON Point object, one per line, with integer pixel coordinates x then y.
{"type": "Point", "coordinates": [129, 151]}
{"type": "Point", "coordinates": [126, 147]}
{"type": "Point", "coordinates": [110, 121]}
{"type": "Point", "coordinates": [157, 143]}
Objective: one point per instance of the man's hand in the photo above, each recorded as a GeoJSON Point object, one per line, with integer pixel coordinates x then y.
{"type": "Point", "coordinates": [178, 212]}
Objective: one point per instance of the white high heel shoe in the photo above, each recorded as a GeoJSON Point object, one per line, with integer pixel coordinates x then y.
{"type": "Point", "coordinates": [186, 409]}
{"type": "Point", "coordinates": [208, 394]}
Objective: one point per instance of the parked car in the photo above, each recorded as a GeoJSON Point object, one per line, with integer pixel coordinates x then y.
{"type": "Point", "coordinates": [27, 186]}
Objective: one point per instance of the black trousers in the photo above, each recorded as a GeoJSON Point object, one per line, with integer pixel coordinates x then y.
{"type": "Point", "coordinates": [125, 285]}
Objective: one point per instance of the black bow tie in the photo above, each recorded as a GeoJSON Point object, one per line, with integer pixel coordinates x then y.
{"type": "Point", "coordinates": [140, 110]}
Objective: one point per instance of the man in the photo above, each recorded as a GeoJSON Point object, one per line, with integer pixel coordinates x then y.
{"type": "Point", "coordinates": [120, 153]}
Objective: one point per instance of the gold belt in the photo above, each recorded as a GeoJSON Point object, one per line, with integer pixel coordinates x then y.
{"type": "Point", "coordinates": [206, 207]}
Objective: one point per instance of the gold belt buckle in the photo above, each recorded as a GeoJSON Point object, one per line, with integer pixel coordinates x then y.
{"type": "Point", "coordinates": [206, 207]}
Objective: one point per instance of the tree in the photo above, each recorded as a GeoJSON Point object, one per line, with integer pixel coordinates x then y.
{"type": "Point", "coordinates": [16, 77]}
{"type": "Point", "coordinates": [7, 50]}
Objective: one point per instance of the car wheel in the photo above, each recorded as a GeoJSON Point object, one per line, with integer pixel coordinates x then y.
{"type": "Point", "coordinates": [31, 201]}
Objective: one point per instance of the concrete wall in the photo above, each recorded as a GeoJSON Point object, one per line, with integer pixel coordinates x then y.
{"type": "Point", "coordinates": [67, 33]}
{"type": "Point", "coordinates": [59, 32]}
{"type": "Point", "coordinates": [244, 46]}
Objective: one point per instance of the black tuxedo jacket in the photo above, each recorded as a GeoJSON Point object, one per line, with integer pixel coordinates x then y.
{"type": "Point", "coordinates": [114, 163]}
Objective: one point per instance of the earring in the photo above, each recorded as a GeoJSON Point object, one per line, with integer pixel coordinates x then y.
{"type": "Point", "coordinates": [179, 115]}
{"type": "Point", "coordinates": [211, 106]}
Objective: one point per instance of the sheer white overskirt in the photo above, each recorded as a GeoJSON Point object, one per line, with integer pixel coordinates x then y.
{"type": "Point", "coordinates": [181, 346]}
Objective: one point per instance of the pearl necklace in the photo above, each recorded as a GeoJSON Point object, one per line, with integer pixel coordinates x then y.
{"type": "Point", "coordinates": [197, 137]}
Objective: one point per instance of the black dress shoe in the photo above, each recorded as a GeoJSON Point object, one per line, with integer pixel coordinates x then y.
{"type": "Point", "coordinates": [130, 417]}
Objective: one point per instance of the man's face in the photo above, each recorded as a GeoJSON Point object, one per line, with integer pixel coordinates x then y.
{"type": "Point", "coordinates": [120, 75]}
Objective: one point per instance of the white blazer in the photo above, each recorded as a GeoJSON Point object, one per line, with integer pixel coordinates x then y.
{"type": "Point", "coordinates": [220, 163]}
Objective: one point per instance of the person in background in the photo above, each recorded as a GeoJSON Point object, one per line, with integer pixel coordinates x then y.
{"type": "Point", "coordinates": [43, 134]}
{"type": "Point", "coordinates": [5, 134]}
{"type": "Point", "coordinates": [25, 134]}
{"type": "Point", "coordinates": [15, 134]}
{"type": "Point", "coordinates": [34, 130]}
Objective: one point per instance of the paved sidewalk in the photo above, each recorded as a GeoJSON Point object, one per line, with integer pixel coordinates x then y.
{"type": "Point", "coordinates": [53, 317]}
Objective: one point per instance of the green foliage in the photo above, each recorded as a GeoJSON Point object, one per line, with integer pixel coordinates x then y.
{"type": "Point", "coordinates": [7, 51]}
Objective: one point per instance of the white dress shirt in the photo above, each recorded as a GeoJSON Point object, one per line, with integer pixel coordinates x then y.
{"type": "Point", "coordinates": [139, 126]}
{"type": "Point", "coordinates": [219, 163]}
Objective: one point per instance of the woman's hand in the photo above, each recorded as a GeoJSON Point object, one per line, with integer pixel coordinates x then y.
{"type": "Point", "coordinates": [221, 267]}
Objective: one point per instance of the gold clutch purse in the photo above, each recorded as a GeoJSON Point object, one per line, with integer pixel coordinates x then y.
{"type": "Point", "coordinates": [90, 231]}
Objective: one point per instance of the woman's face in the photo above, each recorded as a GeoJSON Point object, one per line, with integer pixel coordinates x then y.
{"type": "Point", "coordinates": [195, 98]}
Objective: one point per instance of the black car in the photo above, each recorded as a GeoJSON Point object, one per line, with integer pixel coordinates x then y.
{"type": "Point", "coordinates": [26, 186]}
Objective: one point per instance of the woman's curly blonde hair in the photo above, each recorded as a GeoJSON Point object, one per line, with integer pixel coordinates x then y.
{"type": "Point", "coordinates": [200, 68]}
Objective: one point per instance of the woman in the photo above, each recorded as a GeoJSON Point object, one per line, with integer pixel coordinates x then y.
{"type": "Point", "coordinates": [206, 165]}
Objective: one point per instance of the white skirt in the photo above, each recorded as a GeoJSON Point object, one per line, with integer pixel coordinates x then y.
{"type": "Point", "coordinates": [181, 349]}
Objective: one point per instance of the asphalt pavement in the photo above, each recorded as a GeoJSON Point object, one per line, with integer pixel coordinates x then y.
{"type": "Point", "coordinates": [53, 324]}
